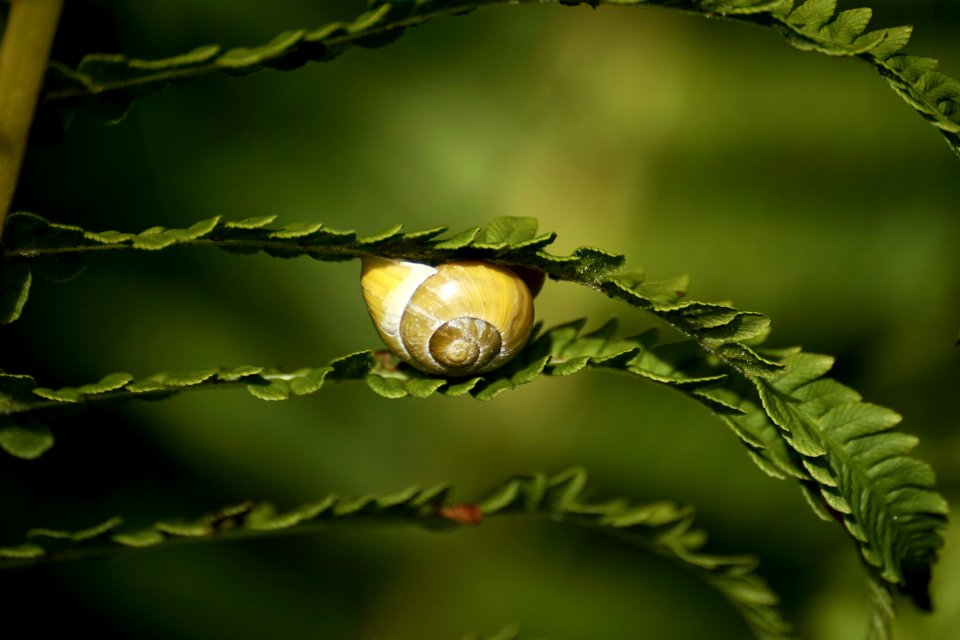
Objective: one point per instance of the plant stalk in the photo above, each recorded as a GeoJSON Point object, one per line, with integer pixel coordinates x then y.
{"type": "Point", "coordinates": [24, 51]}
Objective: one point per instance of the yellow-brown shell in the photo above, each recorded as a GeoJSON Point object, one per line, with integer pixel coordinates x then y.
{"type": "Point", "coordinates": [456, 319]}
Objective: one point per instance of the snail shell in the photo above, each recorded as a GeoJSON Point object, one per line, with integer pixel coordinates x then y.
{"type": "Point", "coordinates": [456, 319]}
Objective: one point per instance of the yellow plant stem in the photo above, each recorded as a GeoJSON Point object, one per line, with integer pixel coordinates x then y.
{"type": "Point", "coordinates": [24, 51]}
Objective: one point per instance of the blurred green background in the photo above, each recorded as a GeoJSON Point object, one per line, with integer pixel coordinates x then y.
{"type": "Point", "coordinates": [787, 182]}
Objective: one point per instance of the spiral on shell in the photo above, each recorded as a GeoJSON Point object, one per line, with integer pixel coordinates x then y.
{"type": "Point", "coordinates": [456, 319]}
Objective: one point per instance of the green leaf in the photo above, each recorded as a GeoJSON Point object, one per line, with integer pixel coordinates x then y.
{"type": "Point", "coordinates": [16, 392]}
{"type": "Point", "coordinates": [24, 437]}
{"type": "Point", "coordinates": [507, 231]}
{"type": "Point", "coordinates": [662, 527]}
{"type": "Point", "coordinates": [557, 352]}
{"type": "Point", "coordinates": [851, 450]}
{"type": "Point", "coordinates": [84, 535]}
{"type": "Point", "coordinates": [720, 329]}
{"type": "Point", "coordinates": [21, 397]}
{"type": "Point", "coordinates": [15, 278]}
{"type": "Point", "coordinates": [105, 85]}
{"type": "Point", "coordinates": [813, 14]}
{"type": "Point", "coordinates": [664, 291]}
{"type": "Point", "coordinates": [29, 232]}
{"type": "Point", "coordinates": [22, 552]}
{"type": "Point", "coordinates": [111, 382]}
{"type": "Point", "coordinates": [561, 351]}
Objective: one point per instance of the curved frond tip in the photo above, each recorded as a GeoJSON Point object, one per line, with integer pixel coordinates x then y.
{"type": "Point", "coordinates": [851, 449]}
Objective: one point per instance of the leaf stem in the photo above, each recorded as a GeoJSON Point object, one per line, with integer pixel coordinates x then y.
{"type": "Point", "coordinates": [24, 51]}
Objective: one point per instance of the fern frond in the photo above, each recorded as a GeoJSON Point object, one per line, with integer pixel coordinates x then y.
{"type": "Point", "coordinates": [54, 251]}
{"type": "Point", "coordinates": [785, 436]}
{"type": "Point", "coordinates": [563, 494]}
{"type": "Point", "coordinates": [105, 85]}
{"type": "Point", "coordinates": [850, 448]}
{"type": "Point", "coordinates": [111, 82]}
{"type": "Point", "coordinates": [24, 435]}
{"type": "Point", "coordinates": [662, 527]}
{"type": "Point", "coordinates": [886, 503]}
{"type": "Point", "coordinates": [847, 454]}
{"type": "Point", "coordinates": [562, 351]}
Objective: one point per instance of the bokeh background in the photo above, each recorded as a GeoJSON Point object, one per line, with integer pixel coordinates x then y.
{"type": "Point", "coordinates": [787, 182]}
